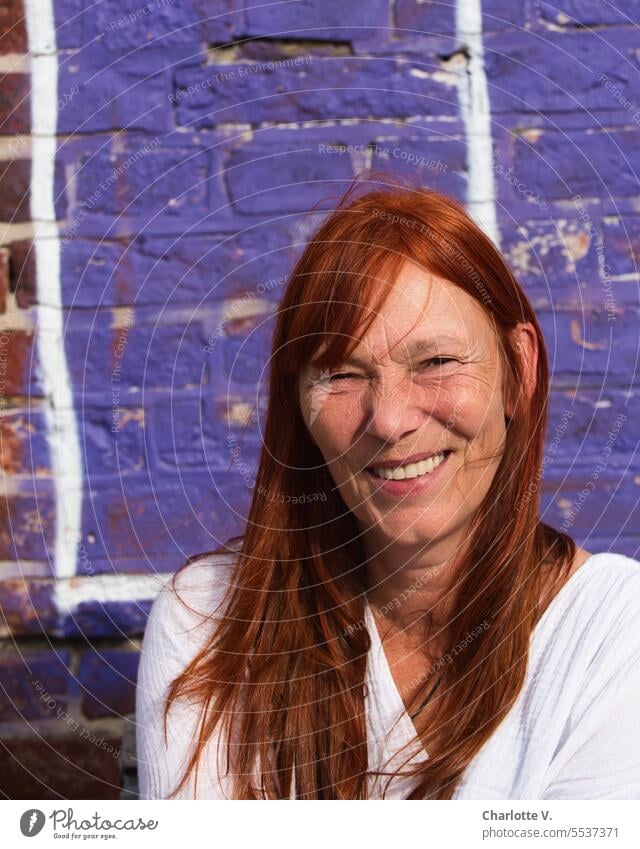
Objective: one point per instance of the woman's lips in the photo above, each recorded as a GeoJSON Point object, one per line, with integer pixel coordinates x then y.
{"type": "Point", "coordinates": [412, 486]}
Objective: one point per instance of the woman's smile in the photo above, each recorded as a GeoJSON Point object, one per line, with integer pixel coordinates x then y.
{"type": "Point", "coordinates": [410, 479]}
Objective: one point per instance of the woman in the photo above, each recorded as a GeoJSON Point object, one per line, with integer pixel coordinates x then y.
{"type": "Point", "coordinates": [396, 621]}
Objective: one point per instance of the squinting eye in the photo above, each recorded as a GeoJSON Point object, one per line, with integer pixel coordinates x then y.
{"type": "Point", "coordinates": [439, 361]}
{"type": "Point", "coordinates": [335, 377]}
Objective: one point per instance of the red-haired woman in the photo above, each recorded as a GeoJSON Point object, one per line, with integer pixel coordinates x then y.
{"type": "Point", "coordinates": [396, 621]}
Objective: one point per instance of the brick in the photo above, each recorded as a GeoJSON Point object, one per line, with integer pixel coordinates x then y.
{"type": "Point", "coordinates": [323, 19]}
{"type": "Point", "coordinates": [28, 524]}
{"type": "Point", "coordinates": [111, 358]}
{"type": "Point", "coordinates": [24, 447]}
{"type": "Point", "coordinates": [15, 181]}
{"type": "Point", "coordinates": [438, 163]}
{"type": "Point", "coordinates": [621, 241]}
{"type": "Point", "coordinates": [143, 181]}
{"type": "Point", "coordinates": [585, 501]}
{"type": "Point", "coordinates": [594, 414]}
{"type": "Point", "coordinates": [27, 607]}
{"type": "Point", "coordinates": [73, 24]}
{"type": "Point", "coordinates": [589, 347]}
{"type": "Point", "coordinates": [17, 356]}
{"type": "Point", "coordinates": [588, 164]}
{"type": "Point", "coordinates": [24, 280]}
{"type": "Point", "coordinates": [4, 278]}
{"type": "Point", "coordinates": [33, 685]}
{"type": "Point", "coordinates": [15, 100]}
{"type": "Point", "coordinates": [113, 439]}
{"type": "Point", "coordinates": [502, 14]}
{"type": "Point", "coordinates": [107, 679]}
{"type": "Point", "coordinates": [557, 73]}
{"type": "Point", "coordinates": [60, 769]}
{"type": "Point", "coordinates": [102, 95]}
{"type": "Point", "coordinates": [428, 18]}
{"type": "Point", "coordinates": [310, 89]}
{"type": "Point", "coordinates": [170, 515]}
{"type": "Point", "coordinates": [556, 262]}
{"type": "Point", "coordinates": [588, 12]}
{"type": "Point", "coordinates": [269, 179]}
{"type": "Point", "coordinates": [13, 29]}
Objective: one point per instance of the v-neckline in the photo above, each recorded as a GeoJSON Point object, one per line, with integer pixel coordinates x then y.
{"type": "Point", "coordinates": [405, 723]}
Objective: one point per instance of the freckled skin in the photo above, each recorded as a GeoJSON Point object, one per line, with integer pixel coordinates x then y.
{"type": "Point", "coordinates": [397, 406]}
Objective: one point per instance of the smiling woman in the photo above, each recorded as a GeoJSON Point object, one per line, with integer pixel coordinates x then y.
{"type": "Point", "coordinates": [418, 622]}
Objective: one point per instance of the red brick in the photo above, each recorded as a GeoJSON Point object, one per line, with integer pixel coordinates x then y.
{"type": "Point", "coordinates": [13, 30]}
{"type": "Point", "coordinates": [15, 178]}
{"type": "Point", "coordinates": [59, 769]}
{"type": "Point", "coordinates": [4, 278]}
{"type": "Point", "coordinates": [15, 107]}
{"type": "Point", "coordinates": [23, 272]}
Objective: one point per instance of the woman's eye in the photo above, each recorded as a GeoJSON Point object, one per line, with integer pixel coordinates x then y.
{"type": "Point", "coordinates": [341, 376]}
{"type": "Point", "coordinates": [438, 361]}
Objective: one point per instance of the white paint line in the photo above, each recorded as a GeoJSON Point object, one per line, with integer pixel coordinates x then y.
{"type": "Point", "coordinates": [69, 594]}
{"type": "Point", "coordinates": [62, 429]}
{"type": "Point", "coordinates": [476, 114]}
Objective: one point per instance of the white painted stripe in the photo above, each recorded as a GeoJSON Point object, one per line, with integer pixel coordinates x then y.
{"type": "Point", "coordinates": [62, 429]}
{"type": "Point", "coordinates": [476, 114]}
{"type": "Point", "coordinates": [69, 594]}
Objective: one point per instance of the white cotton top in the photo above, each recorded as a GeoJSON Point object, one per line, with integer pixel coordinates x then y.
{"type": "Point", "coordinates": [573, 732]}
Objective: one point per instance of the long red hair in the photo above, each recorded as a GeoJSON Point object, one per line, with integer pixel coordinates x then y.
{"type": "Point", "coordinates": [284, 670]}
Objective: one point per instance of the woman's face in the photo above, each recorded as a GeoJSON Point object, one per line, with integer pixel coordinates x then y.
{"type": "Point", "coordinates": [410, 391]}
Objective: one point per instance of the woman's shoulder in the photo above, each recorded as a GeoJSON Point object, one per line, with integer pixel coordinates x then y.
{"type": "Point", "coordinates": [189, 603]}
{"type": "Point", "coordinates": [597, 607]}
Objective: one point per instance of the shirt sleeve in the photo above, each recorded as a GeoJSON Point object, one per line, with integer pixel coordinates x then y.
{"type": "Point", "coordinates": [599, 757]}
{"type": "Point", "coordinates": [173, 636]}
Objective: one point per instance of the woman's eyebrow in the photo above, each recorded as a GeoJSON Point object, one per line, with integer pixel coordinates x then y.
{"type": "Point", "coordinates": [416, 348]}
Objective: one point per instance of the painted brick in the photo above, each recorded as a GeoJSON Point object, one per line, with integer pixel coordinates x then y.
{"type": "Point", "coordinates": [323, 19]}
{"type": "Point", "coordinates": [113, 439]}
{"type": "Point", "coordinates": [176, 269]}
{"type": "Point", "coordinates": [318, 89]}
{"type": "Point", "coordinates": [585, 501]}
{"type": "Point", "coordinates": [18, 375]}
{"type": "Point", "coordinates": [588, 12]}
{"type": "Point", "coordinates": [269, 179]}
{"type": "Point", "coordinates": [103, 95]}
{"type": "Point", "coordinates": [439, 163]}
{"type": "Point", "coordinates": [108, 679]}
{"type": "Point", "coordinates": [137, 518]}
{"type": "Point", "coordinates": [589, 346]}
{"type": "Point", "coordinates": [33, 685]}
{"type": "Point", "coordinates": [24, 447]}
{"type": "Point", "coordinates": [27, 607]}
{"type": "Point", "coordinates": [429, 18]}
{"type": "Point", "coordinates": [557, 73]}
{"type": "Point", "coordinates": [608, 164]}
{"type": "Point", "coordinates": [594, 415]}
{"type": "Point", "coordinates": [27, 525]}
{"type": "Point", "coordinates": [145, 181]}
{"type": "Point", "coordinates": [503, 15]}
{"type": "Point", "coordinates": [109, 357]}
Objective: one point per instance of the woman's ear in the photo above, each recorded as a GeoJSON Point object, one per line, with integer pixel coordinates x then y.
{"type": "Point", "coordinates": [525, 342]}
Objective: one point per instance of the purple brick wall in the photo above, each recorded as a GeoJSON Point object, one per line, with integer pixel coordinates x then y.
{"type": "Point", "coordinates": [196, 150]}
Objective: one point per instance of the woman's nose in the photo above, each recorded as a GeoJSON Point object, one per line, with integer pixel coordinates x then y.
{"type": "Point", "coordinates": [394, 410]}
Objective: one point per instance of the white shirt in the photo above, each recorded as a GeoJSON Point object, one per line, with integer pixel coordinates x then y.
{"type": "Point", "coordinates": [573, 733]}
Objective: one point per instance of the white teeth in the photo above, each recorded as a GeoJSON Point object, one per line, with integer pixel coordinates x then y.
{"type": "Point", "coordinates": [412, 470]}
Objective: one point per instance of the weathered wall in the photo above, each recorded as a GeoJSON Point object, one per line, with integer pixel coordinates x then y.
{"type": "Point", "coordinates": [147, 229]}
